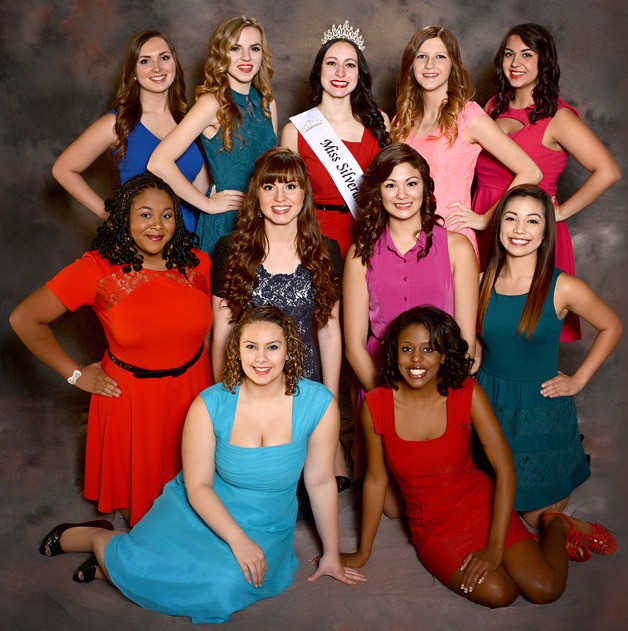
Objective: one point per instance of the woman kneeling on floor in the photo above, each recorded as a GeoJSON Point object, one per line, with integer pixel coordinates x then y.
{"type": "Point", "coordinates": [418, 426]}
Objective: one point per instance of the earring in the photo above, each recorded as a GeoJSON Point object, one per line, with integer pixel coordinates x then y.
{"type": "Point", "coordinates": [259, 214]}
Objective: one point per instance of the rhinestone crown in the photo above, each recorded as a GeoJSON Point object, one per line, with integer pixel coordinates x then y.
{"type": "Point", "coordinates": [344, 31]}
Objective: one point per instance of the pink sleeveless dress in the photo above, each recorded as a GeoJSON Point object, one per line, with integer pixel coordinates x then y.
{"type": "Point", "coordinates": [493, 179]}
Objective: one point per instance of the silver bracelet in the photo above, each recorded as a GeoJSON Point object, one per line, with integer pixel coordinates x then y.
{"type": "Point", "coordinates": [75, 376]}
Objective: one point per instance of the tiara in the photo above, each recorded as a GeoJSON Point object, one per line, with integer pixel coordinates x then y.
{"type": "Point", "coordinates": [344, 32]}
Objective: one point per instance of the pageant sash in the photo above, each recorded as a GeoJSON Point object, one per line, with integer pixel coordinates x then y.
{"type": "Point", "coordinates": [332, 152]}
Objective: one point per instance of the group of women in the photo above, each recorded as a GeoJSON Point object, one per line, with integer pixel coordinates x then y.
{"type": "Point", "coordinates": [357, 209]}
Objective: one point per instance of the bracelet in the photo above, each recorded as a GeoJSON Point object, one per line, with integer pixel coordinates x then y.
{"type": "Point", "coordinates": [75, 376]}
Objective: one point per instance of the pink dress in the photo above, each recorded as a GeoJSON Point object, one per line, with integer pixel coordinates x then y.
{"type": "Point", "coordinates": [397, 282]}
{"type": "Point", "coordinates": [452, 167]}
{"type": "Point", "coordinates": [493, 179]}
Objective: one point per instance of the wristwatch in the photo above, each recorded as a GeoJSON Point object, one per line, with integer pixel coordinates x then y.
{"type": "Point", "coordinates": [75, 375]}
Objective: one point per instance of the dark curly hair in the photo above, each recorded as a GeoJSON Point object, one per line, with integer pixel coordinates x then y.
{"type": "Point", "coordinates": [545, 92]}
{"type": "Point", "coordinates": [113, 238]}
{"type": "Point", "coordinates": [363, 106]}
{"type": "Point", "coordinates": [410, 98]}
{"type": "Point", "coordinates": [127, 103]}
{"type": "Point", "coordinates": [372, 216]}
{"type": "Point", "coordinates": [445, 337]}
{"type": "Point", "coordinates": [543, 270]}
{"type": "Point", "coordinates": [249, 242]}
{"type": "Point", "coordinates": [233, 373]}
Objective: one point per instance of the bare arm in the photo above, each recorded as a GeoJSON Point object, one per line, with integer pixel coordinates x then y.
{"type": "Point", "coordinates": [466, 286]}
{"type": "Point", "coordinates": [198, 449]}
{"type": "Point", "coordinates": [201, 118]}
{"type": "Point", "coordinates": [373, 492]}
{"type": "Point", "coordinates": [322, 489]}
{"type": "Point", "coordinates": [31, 321]}
{"type": "Point", "coordinates": [67, 169]}
{"type": "Point", "coordinates": [221, 328]}
{"type": "Point", "coordinates": [330, 345]}
{"type": "Point", "coordinates": [574, 295]}
{"type": "Point", "coordinates": [356, 320]}
{"type": "Point", "coordinates": [484, 131]}
{"type": "Point", "coordinates": [577, 138]}
{"type": "Point", "coordinates": [289, 137]}
{"type": "Point", "coordinates": [480, 563]}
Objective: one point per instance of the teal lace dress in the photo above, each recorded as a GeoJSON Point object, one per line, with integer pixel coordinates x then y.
{"type": "Point", "coordinates": [232, 170]}
{"type": "Point", "coordinates": [542, 432]}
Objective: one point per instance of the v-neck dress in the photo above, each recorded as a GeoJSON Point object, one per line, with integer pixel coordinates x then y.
{"type": "Point", "coordinates": [174, 563]}
{"type": "Point", "coordinates": [449, 501]}
{"type": "Point", "coordinates": [141, 144]}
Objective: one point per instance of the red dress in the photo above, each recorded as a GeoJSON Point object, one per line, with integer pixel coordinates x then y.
{"type": "Point", "coordinates": [334, 224]}
{"type": "Point", "coordinates": [493, 179]}
{"type": "Point", "coordinates": [449, 502]}
{"type": "Point", "coordinates": [155, 320]}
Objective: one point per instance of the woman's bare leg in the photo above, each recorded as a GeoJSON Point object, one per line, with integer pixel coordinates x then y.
{"type": "Point", "coordinates": [533, 517]}
{"type": "Point", "coordinates": [87, 539]}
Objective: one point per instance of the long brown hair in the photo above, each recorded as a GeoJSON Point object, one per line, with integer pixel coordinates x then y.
{"type": "Point", "coordinates": [372, 216]}
{"type": "Point", "coordinates": [127, 102]}
{"type": "Point", "coordinates": [409, 99]}
{"type": "Point", "coordinates": [543, 270]}
{"type": "Point", "coordinates": [216, 81]}
{"type": "Point", "coordinates": [545, 93]}
{"type": "Point", "coordinates": [233, 373]}
{"type": "Point", "coordinates": [249, 243]}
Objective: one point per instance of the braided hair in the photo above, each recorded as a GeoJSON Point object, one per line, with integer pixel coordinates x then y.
{"type": "Point", "coordinates": [113, 238]}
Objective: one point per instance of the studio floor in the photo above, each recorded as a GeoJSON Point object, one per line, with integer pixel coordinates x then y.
{"type": "Point", "coordinates": [41, 448]}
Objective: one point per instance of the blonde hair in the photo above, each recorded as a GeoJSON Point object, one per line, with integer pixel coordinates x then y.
{"type": "Point", "coordinates": [409, 99]}
{"type": "Point", "coordinates": [216, 82]}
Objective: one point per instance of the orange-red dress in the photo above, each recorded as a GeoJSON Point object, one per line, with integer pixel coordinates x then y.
{"type": "Point", "coordinates": [449, 502]}
{"type": "Point", "coordinates": [154, 320]}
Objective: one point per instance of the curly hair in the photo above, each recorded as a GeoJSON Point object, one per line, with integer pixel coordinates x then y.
{"type": "Point", "coordinates": [216, 81]}
{"type": "Point", "coordinates": [249, 243]}
{"type": "Point", "coordinates": [363, 104]}
{"type": "Point", "coordinates": [545, 92]}
{"type": "Point", "coordinates": [372, 216]}
{"type": "Point", "coordinates": [127, 101]}
{"type": "Point", "coordinates": [233, 373]}
{"type": "Point", "coordinates": [409, 97]}
{"type": "Point", "coordinates": [445, 337]}
{"type": "Point", "coordinates": [544, 268]}
{"type": "Point", "coordinates": [113, 238]}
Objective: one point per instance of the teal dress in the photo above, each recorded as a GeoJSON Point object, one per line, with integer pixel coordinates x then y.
{"type": "Point", "coordinates": [542, 432]}
{"type": "Point", "coordinates": [232, 170]}
{"type": "Point", "coordinates": [172, 562]}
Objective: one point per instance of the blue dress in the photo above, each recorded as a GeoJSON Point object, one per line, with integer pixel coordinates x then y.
{"type": "Point", "coordinates": [542, 432]}
{"type": "Point", "coordinates": [172, 562]}
{"type": "Point", "coordinates": [141, 144]}
{"type": "Point", "coordinates": [232, 170]}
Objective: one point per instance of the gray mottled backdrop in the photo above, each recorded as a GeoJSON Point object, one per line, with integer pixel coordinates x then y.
{"type": "Point", "coordinates": [60, 65]}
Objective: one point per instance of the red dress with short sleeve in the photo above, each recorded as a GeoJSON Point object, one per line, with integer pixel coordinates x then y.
{"type": "Point", "coordinates": [334, 224]}
{"type": "Point", "coordinates": [449, 501]}
{"type": "Point", "coordinates": [154, 320]}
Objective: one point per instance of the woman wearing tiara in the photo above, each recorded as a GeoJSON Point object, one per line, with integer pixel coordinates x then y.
{"type": "Point", "coordinates": [235, 116]}
{"type": "Point", "coordinates": [149, 104]}
{"type": "Point", "coordinates": [436, 117]}
{"type": "Point", "coordinates": [343, 117]}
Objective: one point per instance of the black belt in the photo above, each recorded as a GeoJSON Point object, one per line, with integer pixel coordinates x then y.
{"type": "Point", "coordinates": [144, 373]}
{"type": "Point", "coordinates": [341, 208]}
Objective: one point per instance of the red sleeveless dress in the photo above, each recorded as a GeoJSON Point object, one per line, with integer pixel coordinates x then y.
{"type": "Point", "coordinates": [449, 501]}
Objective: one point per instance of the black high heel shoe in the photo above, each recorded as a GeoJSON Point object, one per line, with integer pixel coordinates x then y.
{"type": "Point", "coordinates": [343, 483]}
{"type": "Point", "coordinates": [51, 546]}
{"type": "Point", "coordinates": [86, 572]}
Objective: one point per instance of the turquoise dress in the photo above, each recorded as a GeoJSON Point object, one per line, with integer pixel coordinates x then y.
{"type": "Point", "coordinates": [232, 170]}
{"type": "Point", "coordinates": [172, 562]}
{"type": "Point", "coordinates": [542, 432]}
